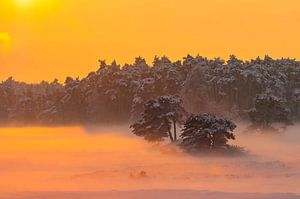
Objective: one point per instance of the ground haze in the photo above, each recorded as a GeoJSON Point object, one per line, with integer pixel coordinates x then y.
{"type": "Point", "coordinates": [76, 159]}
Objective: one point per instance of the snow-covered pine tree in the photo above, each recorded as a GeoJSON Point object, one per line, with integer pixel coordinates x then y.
{"type": "Point", "coordinates": [207, 132]}
{"type": "Point", "coordinates": [116, 94]}
{"type": "Point", "coordinates": [268, 110]}
{"type": "Point", "coordinates": [160, 116]}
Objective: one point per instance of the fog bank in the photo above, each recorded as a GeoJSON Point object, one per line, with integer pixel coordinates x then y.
{"type": "Point", "coordinates": [81, 160]}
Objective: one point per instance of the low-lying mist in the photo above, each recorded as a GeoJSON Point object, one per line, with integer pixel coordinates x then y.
{"type": "Point", "coordinates": [98, 159]}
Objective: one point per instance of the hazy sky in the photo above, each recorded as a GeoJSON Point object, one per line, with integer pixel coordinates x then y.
{"type": "Point", "coordinates": [47, 39]}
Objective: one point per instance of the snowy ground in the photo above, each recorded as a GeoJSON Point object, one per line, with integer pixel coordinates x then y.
{"type": "Point", "coordinates": [63, 163]}
{"type": "Point", "coordinates": [154, 194]}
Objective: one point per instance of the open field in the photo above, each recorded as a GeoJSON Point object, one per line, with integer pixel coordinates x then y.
{"type": "Point", "coordinates": [77, 162]}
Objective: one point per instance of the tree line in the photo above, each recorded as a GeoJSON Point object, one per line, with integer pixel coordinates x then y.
{"type": "Point", "coordinates": [117, 94]}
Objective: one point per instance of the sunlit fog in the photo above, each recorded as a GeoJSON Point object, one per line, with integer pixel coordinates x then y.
{"type": "Point", "coordinates": [105, 159]}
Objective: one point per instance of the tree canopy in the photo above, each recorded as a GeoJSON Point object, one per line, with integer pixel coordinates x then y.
{"type": "Point", "coordinates": [268, 110]}
{"type": "Point", "coordinates": [158, 117]}
{"type": "Point", "coordinates": [205, 131]}
{"type": "Point", "coordinates": [117, 94]}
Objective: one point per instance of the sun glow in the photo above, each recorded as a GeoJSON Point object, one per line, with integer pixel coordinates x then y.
{"type": "Point", "coordinates": [23, 2]}
{"type": "Point", "coordinates": [123, 29]}
{"type": "Point", "coordinates": [4, 40]}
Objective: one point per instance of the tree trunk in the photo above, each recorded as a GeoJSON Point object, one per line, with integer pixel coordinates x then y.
{"type": "Point", "coordinates": [212, 141]}
{"type": "Point", "coordinates": [171, 137]}
{"type": "Point", "coordinates": [175, 133]}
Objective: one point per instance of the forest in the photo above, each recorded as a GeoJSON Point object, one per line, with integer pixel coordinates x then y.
{"type": "Point", "coordinates": [116, 94]}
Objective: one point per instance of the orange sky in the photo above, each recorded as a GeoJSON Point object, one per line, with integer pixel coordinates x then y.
{"type": "Point", "coordinates": [47, 39]}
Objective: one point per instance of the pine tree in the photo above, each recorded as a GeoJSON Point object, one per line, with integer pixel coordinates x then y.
{"type": "Point", "coordinates": [268, 110]}
{"type": "Point", "coordinates": [159, 117]}
{"type": "Point", "coordinates": [206, 132]}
